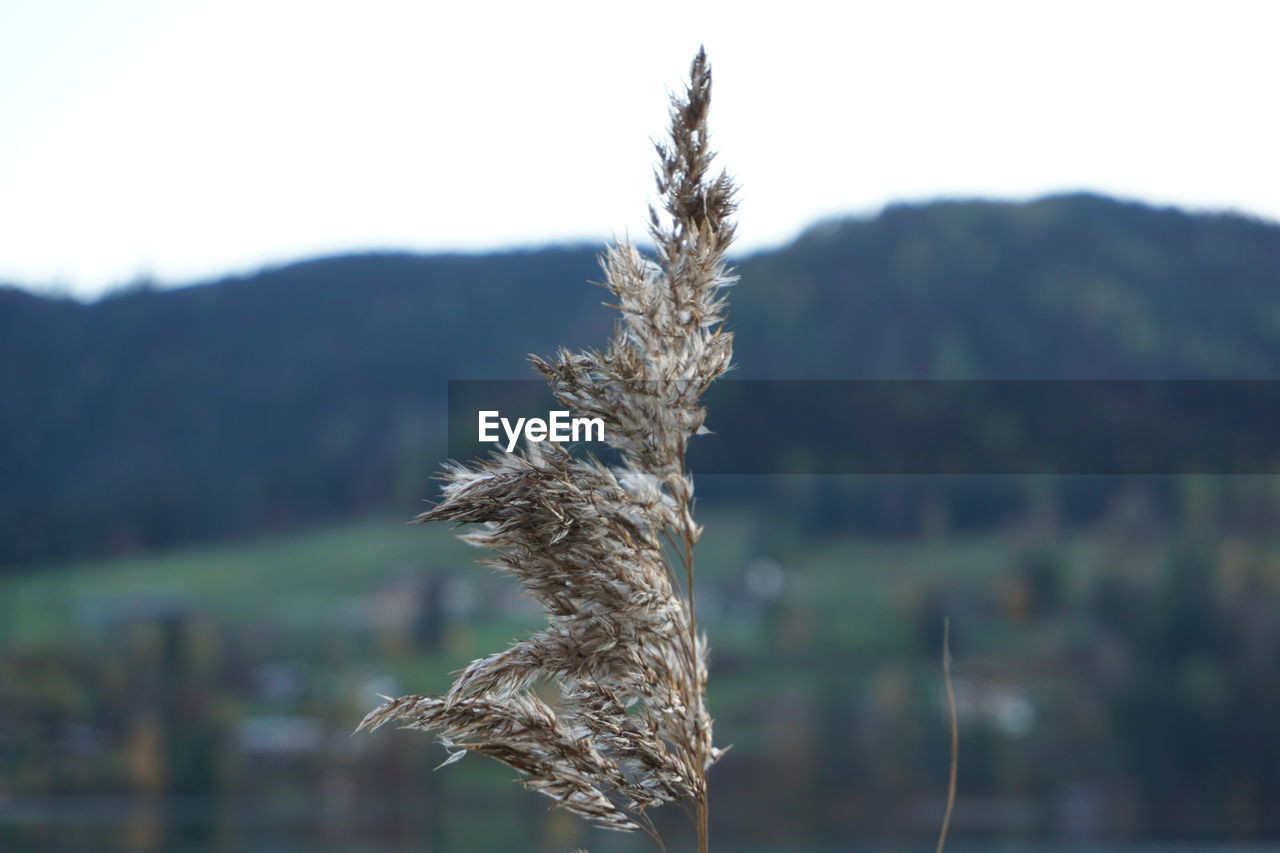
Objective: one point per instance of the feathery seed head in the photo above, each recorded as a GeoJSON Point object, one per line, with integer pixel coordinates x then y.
{"type": "Point", "coordinates": [596, 544]}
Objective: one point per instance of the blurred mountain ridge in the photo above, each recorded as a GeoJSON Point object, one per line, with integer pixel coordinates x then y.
{"type": "Point", "coordinates": [316, 390]}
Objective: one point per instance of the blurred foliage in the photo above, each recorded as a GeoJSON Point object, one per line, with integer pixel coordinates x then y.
{"type": "Point", "coordinates": [151, 417]}
{"type": "Point", "coordinates": [1115, 681]}
{"type": "Point", "coordinates": [1117, 640]}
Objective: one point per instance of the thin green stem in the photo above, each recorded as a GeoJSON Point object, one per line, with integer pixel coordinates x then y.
{"type": "Point", "coordinates": [955, 733]}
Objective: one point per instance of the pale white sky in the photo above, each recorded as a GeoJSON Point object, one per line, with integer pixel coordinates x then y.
{"type": "Point", "coordinates": [184, 140]}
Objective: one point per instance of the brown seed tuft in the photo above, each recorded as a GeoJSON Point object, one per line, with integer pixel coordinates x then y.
{"type": "Point", "coordinates": [603, 548]}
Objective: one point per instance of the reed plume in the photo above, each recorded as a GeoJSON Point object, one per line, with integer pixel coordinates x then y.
{"type": "Point", "coordinates": [607, 549]}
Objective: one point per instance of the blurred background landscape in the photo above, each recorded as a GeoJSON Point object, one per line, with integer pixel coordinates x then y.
{"type": "Point", "coordinates": [205, 578]}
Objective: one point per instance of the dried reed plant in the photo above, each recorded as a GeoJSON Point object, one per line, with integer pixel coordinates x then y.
{"type": "Point", "coordinates": [607, 550]}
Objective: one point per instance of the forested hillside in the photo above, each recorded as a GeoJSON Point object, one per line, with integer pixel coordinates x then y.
{"type": "Point", "coordinates": [317, 390]}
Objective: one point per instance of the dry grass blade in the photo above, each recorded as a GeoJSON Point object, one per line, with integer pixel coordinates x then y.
{"type": "Point", "coordinates": [588, 541]}
{"type": "Point", "coordinates": [955, 735]}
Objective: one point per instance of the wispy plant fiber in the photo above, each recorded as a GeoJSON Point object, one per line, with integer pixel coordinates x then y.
{"type": "Point", "coordinates": [605, 549]}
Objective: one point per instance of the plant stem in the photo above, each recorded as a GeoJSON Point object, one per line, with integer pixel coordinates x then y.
{"type": "Point", "coordinates": [955, 733]}
{"type": "Point", "coordinates": [702, 817]}
{"type": "Point", "coordinates": [702, 804]}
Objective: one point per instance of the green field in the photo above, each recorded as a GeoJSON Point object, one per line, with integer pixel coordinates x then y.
{"type": "Point", "coordinates": [849, 589]}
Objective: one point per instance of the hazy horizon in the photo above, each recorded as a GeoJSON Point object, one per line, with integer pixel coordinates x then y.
{"type": "Point", "coordinates": [738, 253]}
